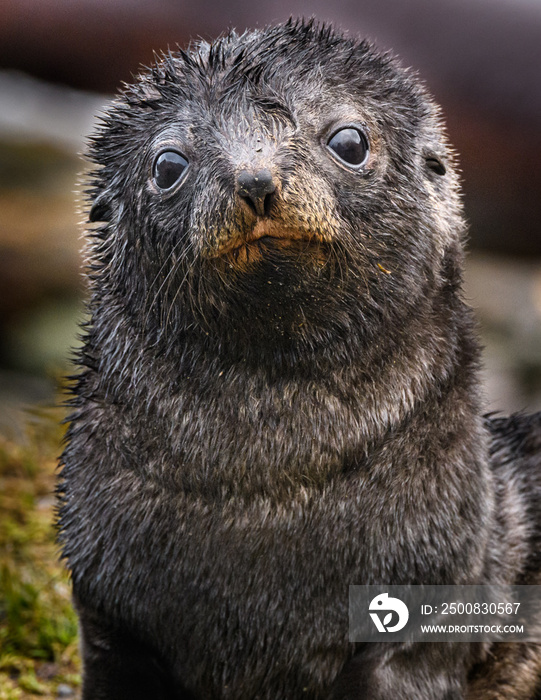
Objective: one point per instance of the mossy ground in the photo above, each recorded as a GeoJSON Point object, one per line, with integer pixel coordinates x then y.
{"type": "Point", "coordinates": [38, 627]}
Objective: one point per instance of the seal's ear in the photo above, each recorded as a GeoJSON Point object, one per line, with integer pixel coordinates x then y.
{"type": "Point", "coordinates": [434, 163]}
{"type": "Point", "coordinates": [101, 208]}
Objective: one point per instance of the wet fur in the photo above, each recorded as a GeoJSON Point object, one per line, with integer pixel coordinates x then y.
{"type": "Point", "coordinates": [257, 425]}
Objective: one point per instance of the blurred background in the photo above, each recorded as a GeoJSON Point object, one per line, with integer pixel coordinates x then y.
{"type": "Point", "coordinates": [61, 60]}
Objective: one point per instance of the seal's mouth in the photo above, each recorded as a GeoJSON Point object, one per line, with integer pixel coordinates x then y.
{"type": "Point", "coordinates": [264, 237]}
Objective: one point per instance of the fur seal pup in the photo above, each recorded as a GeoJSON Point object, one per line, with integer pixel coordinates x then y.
{"type": "Point", "coordinates": [278, 392]}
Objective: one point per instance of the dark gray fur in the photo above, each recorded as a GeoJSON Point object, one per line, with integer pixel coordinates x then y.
{"type": "Point", "coordinates": [248, 438]}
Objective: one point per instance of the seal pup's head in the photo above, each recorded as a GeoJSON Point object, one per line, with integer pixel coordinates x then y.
{"type": "Point", "coordinates": [289, 184]}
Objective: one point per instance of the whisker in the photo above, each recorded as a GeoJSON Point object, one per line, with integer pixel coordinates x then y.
{"type": "Point", "coordinates": [181, 284]}
{"type": "Point", "coordinates": [165, 280]}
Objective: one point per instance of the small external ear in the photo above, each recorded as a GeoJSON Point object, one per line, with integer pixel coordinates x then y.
{"type": "Point", "coordinates": [101, 208]}
{"type": "Point", "coordinates": [434, 163]}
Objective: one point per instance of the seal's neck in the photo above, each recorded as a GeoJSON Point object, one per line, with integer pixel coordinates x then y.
{"type": "Point", "coordinates": [268, 420]}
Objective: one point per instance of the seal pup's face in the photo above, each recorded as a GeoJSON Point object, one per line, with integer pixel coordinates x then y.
{"type": "Point", "coordinates": [288, 176]}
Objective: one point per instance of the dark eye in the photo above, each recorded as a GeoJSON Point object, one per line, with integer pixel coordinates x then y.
{"type": "Point", "coordinates": [168, 169]}
{"type": "Point", "coordinates": [350, 146]}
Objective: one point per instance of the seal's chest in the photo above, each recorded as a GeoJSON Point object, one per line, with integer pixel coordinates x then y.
{"type": "Point", "coordinates": [255, 593]}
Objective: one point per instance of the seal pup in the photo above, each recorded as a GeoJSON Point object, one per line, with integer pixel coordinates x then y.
{"type": "Point", "coordinates": [278, 392]}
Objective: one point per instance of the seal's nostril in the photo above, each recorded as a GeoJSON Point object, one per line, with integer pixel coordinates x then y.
{"type": "Point", "coordinates": [257, 189]}
{"type": "Point", "coordinates": [267, 202]}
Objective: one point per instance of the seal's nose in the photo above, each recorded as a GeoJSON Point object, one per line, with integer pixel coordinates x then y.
{"type": "Point", "coordinates": [256, 189]}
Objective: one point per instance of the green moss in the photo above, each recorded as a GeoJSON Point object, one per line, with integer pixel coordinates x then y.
{"type": "Point", "coordinates": [38, 626]}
